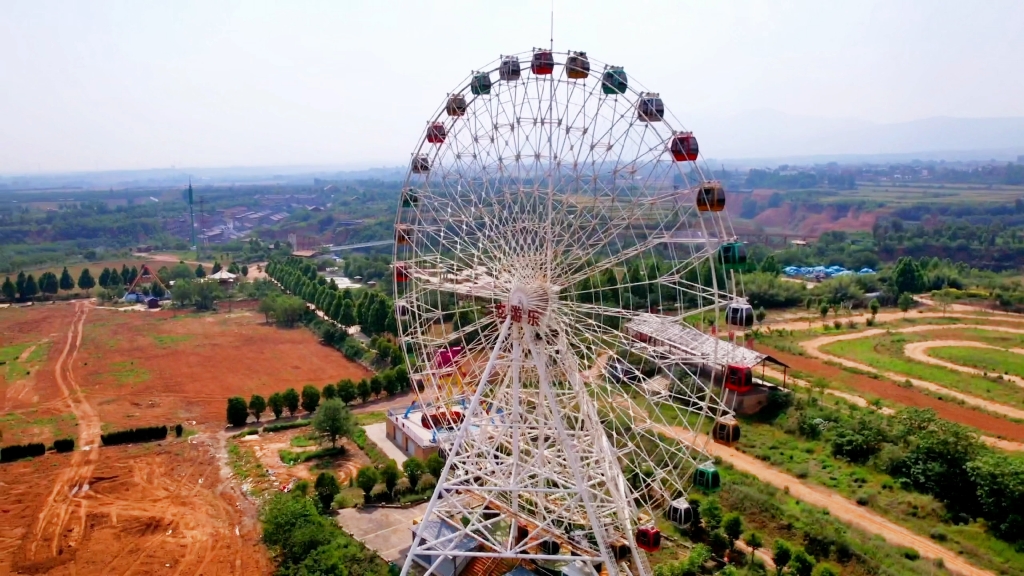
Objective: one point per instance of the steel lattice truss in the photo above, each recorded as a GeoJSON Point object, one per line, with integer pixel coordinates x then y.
{"type": "Point", "coordinates": [527, 241]}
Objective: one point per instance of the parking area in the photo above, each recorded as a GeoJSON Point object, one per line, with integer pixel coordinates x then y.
{"type": "Point", "coordinates": [388, 531]}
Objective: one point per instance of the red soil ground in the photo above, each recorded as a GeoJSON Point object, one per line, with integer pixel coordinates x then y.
{"type": "Point", "coordinates": [987, 423]}
{"type": "Point", "coordinates": [158, 508]}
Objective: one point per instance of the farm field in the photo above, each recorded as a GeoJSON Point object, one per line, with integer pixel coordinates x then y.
{"type": "Point", "coordinates": [74, 369]}
{"type": "Point", "coordinates": [989, 360]}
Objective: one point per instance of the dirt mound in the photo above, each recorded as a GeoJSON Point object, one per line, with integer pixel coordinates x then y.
{"type": "Point", "coordinates": [808, 221]}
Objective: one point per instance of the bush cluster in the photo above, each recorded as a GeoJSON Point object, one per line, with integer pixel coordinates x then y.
{"type": "Point", "coordinates": [64, 445]}
{"type": "Point", "coordinates": [19, 451]}
{"type": "Point", "coordinates": [147, 434]}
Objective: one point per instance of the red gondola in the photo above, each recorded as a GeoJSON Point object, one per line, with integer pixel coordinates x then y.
{"type": "Point", "coordinates": [436, 133]}
{"type": "Point", "coordinates": [684, 147]}
{"type": "Point", "coordinates": [648, 538]}
{"type": "Point", "coordinates": [401, 275]}
{"type": "Point", "coordinates": [738, 378]}
{"type": "Point", "coordinates": [543, 62]}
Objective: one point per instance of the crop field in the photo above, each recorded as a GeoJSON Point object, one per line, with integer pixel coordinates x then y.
{"type": "Point", "coordinates": [885, 352]}
{"type": "Point", "coordinates": [74, 370]}
{"type": "Point", "coordinates": [895, 195]}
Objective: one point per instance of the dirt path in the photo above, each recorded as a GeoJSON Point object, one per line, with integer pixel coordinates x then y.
{"type": "Point", "coordinates": [812, 347]}
{"type": "Point", "coordinates": [859, 401]}
{"type": "Point", "coordinates": [919, 352]}
{"type": "Point", "coordinates": [71, 485]}
{"type": "Point", "coordinates": [846, 511]}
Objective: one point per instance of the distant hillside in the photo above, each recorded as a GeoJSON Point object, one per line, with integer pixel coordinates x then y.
{"type": "Point", "coordinates": [770, 136]}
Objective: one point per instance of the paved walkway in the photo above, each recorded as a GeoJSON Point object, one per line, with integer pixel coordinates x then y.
{"type": "Point", "coordinates": [388, 531]}
{"type": "Point", "coordinates": [378, 433]}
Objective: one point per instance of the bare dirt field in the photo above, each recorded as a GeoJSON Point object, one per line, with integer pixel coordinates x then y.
{"type": "Point", "coordinates": [157, 508]}
{"type": "Point", "coordinates": [267, 448]}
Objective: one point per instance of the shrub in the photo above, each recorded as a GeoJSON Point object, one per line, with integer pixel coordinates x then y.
{"type": "Point", "coordinates": [178, 430]}
{"type": "Point", "coordinates": [911, 554]}
{"type": "Point", "coordinates": [238, 411]}
{"type": "Point", "coordinates": [378, 491]}
{"type": "Point", "coordinates": [19, 451]}
{"type": "Point", "coordinates": [286, 426]}
{"type": "Point", "coordinates": [863, 500]}
{"type": "Point", "coordinates": [838, 324]}
{"type": "Point", "coordinates": [64, 445]}
{"type": "Point", "coordinates": [427, 482]}
{"type": "Point", "coordinates": [147, 434]}
{"type": "Point", "coordinates": [938, 535]}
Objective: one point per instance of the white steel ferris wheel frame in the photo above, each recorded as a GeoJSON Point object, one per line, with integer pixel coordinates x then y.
{"type": "Point", "coordinates": [547, 200]}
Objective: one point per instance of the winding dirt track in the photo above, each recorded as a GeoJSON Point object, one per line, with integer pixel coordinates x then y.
{"type": "Point", "coordinates": [847, 511]}
{"type": "Point", "coordinates": [919, 352]}
{"type": "Point", "coordinates": [812, 347]}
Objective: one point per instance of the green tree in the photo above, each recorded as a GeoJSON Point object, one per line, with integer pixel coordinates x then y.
{"type": "Point", "coordinates": [288, 310]}
{"type": "Point", "coordinates": [333, 420]}
{"type": "Point", "coordinates": [19, 284]}
{"type": "Point", "coordinates": [390, 475]}
{"type": "Point", "coordinates": [391, 386]}
{"type": "Point", "coordinates": [104, 278]}
{"type": "Point", "coordinates": [376, 385]}
{"type": "Point", "coordinates": [86, 281]}
{"type": "Point", "coordinates": [823, 310]}
{"type": "Point", "coordinates": [310, 398]}
{"type": "Point", "coordinates": [413, 468]}
{"type": "Point", "coordinates": [276, 402]}
{"type": "Point", "coordinates": [48, 283]}
{"type": "Point", "coordinates": [216, 268]}
{"type": "Point", "coordinates": [366, 479]}
{"type": "Point", "coordinates": [905, 301]}
{"type": "Point", "coordinates": [826, 570]}
{"type": "Point", "coordinates": [267, 307]}
{"type": "Point", "coordinates": [755, 542]}
{"type": "Point", "coordinates": [31, 288]}
{"type": "Point", "coordinates": [330, 392]}
{"type": "Point", "coordinates": [907, 276]}
{"type": "Point", "coordinates": [66, 281]}
{"type": "Point", "coordinates": [326, 488]}
{"type": "Point", "coordinates": [200, 271]}
{"type": "Point", "coordinates": [711, 512]}
{"type": "Point", "coordinates": [180, 271]}
{"type": "Point", "coordinates": [732, 525]}
{"type": "Point", "coordinates": [782, 553]}
{"type": "Point", "coordinates": [363, 389]}
{"type": "Point", "coordinates": [8, 289]}
{"type": "Point", "coordinates": [347, 391]}
{"type": "Point", "coordinates": [874, 306]}
{"type": "Point", "coordinates": [802, 564]}
{"type": "Point", "coordinates": [245, 271]}
{"type": "Point", "coordinates": [257, 405]}
{"type": "Point", "coordinates": [770, 266]}
{"type": "Point", "coordinates": [434, 465]}
{"type": "Point", "coordinates": [291, 401]}
{"type": "Point", "coordinates": [238, 411]}
{"type": "Point", "coordinates": [760, 315]}
{"type": "Point", "coordinates": [348, 313]}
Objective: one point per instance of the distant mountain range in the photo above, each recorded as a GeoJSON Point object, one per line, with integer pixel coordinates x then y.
{"type": "Point", "coordinates": [763, 138]}
{"type": "Point", "coordinates": [770, 137]}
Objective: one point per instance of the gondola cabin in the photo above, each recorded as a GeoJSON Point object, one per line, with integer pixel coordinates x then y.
{"type": "Point", "coordinates": [614, 81]}
{"type": "Point", "coordinates": [446, 358]}
{"type": "Point", "coordinates": [409, 198]}
{"type": "Point", "coordinates": [739, 314]}
{"type": "Point", "coordinates": [726, 431]}
{"type": "Point", "coordinates": [401, 273]}
{"type": "Point", "coordinates": [680, 513]}
{"type": "Point", "coordinates": [436, 133]}
{"type": "Point", "coordinates": [401, 309]}
{"type": "Point", "coordinates": [711, 197]}
{"type": "Point", "coordinates": [577, 66]}
{"type": "Point", "coordinates": [550, 547]}
{"type": "Point", "coordinates": [456, 105]}
{"type": "Point", "coordinates": [441, 419]}
{"type": "Point", "coordinates": [420, 164]}
{"type": "Point", "coordinates": [403, 235]}
{"type": "Point", "coordinates": [543, 62]}
{"type": "Point", "coordinates": [650, 108]}
{"type": "Point", "coordinates": [707, 478]}
{"type": "Point", "coordinates": [733, 255]}
{"type": "Point", "coordinates": [738, 378]}
{"type": "Point", "coordinates": [480, 84]}
{"type": "Point", "coordinates": [648, 538]}
{"type": "Point", "coordinates": [684, 147]}
{"type": "Point", "coordinates": [509, 70]}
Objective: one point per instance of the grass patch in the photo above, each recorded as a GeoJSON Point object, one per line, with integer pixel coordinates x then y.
{"type": "Point", "coordinates": [368, 418]}
{"type": "Point", "coordinates": [302, 442]}
{"type": "Point", "coordinates": [986, 359]}
{"type": "Point", "coordinates": [370, 448]}
{"type": "Point", "coordinates": [292, 458]}
{"type": "Point", "coordinates": [246, 466]}
{"type": "Point", "coordinates": [885, 352]}
{"type": "Point", "coordinates": [127, 373]}
{"type": "Point", "coordinates": [169, 340]}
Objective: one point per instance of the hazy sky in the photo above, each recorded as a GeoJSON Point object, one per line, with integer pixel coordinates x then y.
{"type": "Point", "coordinates": [106, 85]}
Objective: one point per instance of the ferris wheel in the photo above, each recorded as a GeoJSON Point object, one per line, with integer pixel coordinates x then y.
{"type": "Point", "coordinates": [563, 261]}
